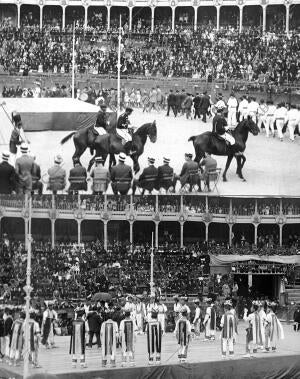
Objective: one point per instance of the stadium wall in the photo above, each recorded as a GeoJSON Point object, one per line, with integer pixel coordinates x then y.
{"type": "Point", "coordinates": [285, 93]}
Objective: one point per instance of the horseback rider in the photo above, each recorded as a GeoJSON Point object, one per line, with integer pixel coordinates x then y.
{"type": "Point", "coordinates": [16, 138]}
{"type": "Point", "coordinates": [99, 128]}
{"type": "Point", "coordinates": [122, 129]}
{"type": "Point", "coordinates": [220, 127]}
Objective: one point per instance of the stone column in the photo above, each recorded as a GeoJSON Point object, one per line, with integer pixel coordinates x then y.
{"type": "Point", "coordinates": [41, 16]}
{"type": "Point", "coordinates": [241, 19]}
{"type": "Point", "coordinates": [130, 19]}
{"type": "Point", "coordinates": [152, 19]}
{"type": "Point", "coordinates": [264, 24]}
{"type": "Point", "coordinates": [18, 16]}
{"type": "Point", "coordinates": [181, 233]}
{"type": "Point", "coordinates": [195, 18]}
{"type": "Point", "coordinates": [105, 234]}
{"type": "Point", "coordinates": [218, 17]}
{"type": "Point", "coordinates": [173, 19]}
{"type": "Point", "coordinates": [108, 18]}
{"type": "Point", "coordinates": [287, 18]}
{"type": "Point", "coordinates": [63, 17]}
{"type": "Point", "coordinates": [53, 233]}
{"type": "Point", "coordinates": [86, 17]}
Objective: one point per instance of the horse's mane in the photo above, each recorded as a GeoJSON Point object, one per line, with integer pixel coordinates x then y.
{"type": "Point", "coordinates": [142, 128]}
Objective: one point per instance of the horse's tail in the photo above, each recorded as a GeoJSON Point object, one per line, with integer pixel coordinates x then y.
{"type": "Point", "coordinates": [65, 139]}
{"type": "Point", "coordinates": [192, 139]}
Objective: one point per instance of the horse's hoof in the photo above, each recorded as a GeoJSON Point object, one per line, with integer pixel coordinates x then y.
{"type": "Point", "coordinates": [224, 179]}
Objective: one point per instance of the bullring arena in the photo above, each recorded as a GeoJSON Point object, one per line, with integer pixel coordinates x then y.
{"type": "Point", "coordinates": [269, 169]}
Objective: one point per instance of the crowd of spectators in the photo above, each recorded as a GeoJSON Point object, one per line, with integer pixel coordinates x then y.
{"type": "Point", "coordinates": [205, 54]}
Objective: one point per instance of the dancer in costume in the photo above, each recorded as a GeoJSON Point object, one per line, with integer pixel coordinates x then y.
{"type": "Point", "coordinates": [183, 332]}
{"type": "Point", "coordinates": [210, 321]}
{"type": "Point", "coordinates": [49, 318]}
{"type": "Point", "coordinates": [109, 335]}
{"type": "Point", "coordinates": [16, 343]}
{"type": "Point", "coordinates": [77, 342]}
{"type": "Point", "coordinates": [176, 308]}
{"type": "Point", "coordinates": [162, 311]}
{"type": "Point", "coordinates": [152, 306]}
{"type": "Point", "coordinates": [7, 332]}
{"type": "Point", "coordinates": [197, 319]}
{"type": "Point", "coordinates": [262, 323]}
{"type": "Point", "coordinates": [274, 330]}
{"type": "Point", "coordinates": [127, 333]}
{"type": "Point", "coordinates": [253, 329]}
{"type": "Point", "coordinates": [34, 339]}
{"type": "Point", "coordinates": [140, 313]}
{"type": "Point", "coordinates": [229, 330]}
{"type": "Point", "coordinates": [154, 339]}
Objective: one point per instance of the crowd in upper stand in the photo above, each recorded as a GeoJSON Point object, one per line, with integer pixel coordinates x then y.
{"type": "Point", "coordinates": [205, 54]}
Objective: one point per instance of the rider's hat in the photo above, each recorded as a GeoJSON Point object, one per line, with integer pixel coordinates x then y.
{"type": "Point", "coordinates": [5, 156]}
{"type": "Point", "coordinates": [189, 155]}
{"type": "Point", "coordinates": [151, 160]}
{"type": "Point", "coordinates": [166, 160]}
{"type": "Point", "coordinates": [16, 117]}
{"type": "Point", "coordinates": [122, 157]}
{"type": "Point", "coordinates": [128, 109]}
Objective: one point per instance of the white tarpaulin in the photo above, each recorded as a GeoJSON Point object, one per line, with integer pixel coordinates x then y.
{"type": "Point", "coordinates": [224, 260]}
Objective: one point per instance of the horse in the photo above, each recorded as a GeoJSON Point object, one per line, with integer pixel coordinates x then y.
{"type": "Point", "coordinates": [210, 142]}
{"type": "Point", "coordinates": [81, 137]}
{"type": "Point", "coordinates": [112, 144]}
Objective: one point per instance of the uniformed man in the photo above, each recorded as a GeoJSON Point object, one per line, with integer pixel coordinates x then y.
{"type": "Point", "coordinates": [57, 176]}
{"type": "Point", "coordinates": [220, 127]}
{"type": "Point", "coordinates": [122, 128]}
{"type": "Point", "coordinates": [77, 177]}
{"type": "Point", "coordinates": [210, 164]}
{"type": "Point", "coordinates": [261, 114]}
{"type": "Point", "coordinates": [165, 176]}
{"type": "Point", "coordinates": [243, 109]}
{"type": "Point", "coordinates": [24, 170]}
{"type": "Point", "coordinates": [16, 137]}
{"type": "Point", "coordinates": [293, 119]}
{"type": "Point", "coordinates": [270, 118]}
{"type": "Point", "coordinates": [188, 172]}
{"type": "Point", "coordinates": [100, 126]}
{"type": "Point", "coordinates": [253, 108]}
{"type": "Point", "coordinates": [232, 105]}
{"type": "Point", "coordinates": [204, 105]}
{"type": "Point", "coordinates": [148, 178]}
{"type": "Point", "coordinates": [8, 178]}
{"type": "Point", "coordinates": [101, 177]}
{"type": "Point", "coordinates": [171, 103]}
{"type": "Point", "coordinates": [121, 176]}
{"type": "Point", "coordinates": [280, 118]}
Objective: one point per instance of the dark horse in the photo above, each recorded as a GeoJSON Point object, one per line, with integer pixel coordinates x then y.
{"type": "Point", "coordinates": [210, 142]}
{"type": "Point", "coordinates": [82, 136]}
{"type": "Point", "coordinates": [112, 144]}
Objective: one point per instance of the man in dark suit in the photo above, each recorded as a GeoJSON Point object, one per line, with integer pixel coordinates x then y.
{"type": "Point", "coordinates": [209, 164]}
{"type": "Point", "coordinates": [121, 176]}
{"type": "Point", "coordinates": [183, 96]}
{"type": "Point", "coordinates": [178, 101]}
{"type": "Point", "coordinates": [189, 173]}
{"type": "Point", "coordinates": [77, 177]}
{"type": "Point", "coordinates": [197, 101]}
{"type": "Point", "coordinates": [36, 178]}
{"type": "Point", "coordinates": [204, 105]}
{"type": "Point", "coordinates": [148, 178]}
{"type": "Point", "coordinates": [165, 176]}
{"type": "Point", "coordinates": [8, 176]}
{"type": "Point", "coordinates": [94, 322]}
{"type": "Point", "coordinates": [172, 103]}
{"type": "Point", "coordinates": [24, 169]}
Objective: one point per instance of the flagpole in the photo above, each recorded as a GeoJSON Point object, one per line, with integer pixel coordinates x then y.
{"type": "Point", "coordinates": [27, 288]}
{"type": "Point", "coordinates": [73, 63]}
{"type": "Point", "coordinates": [151, 272]}
{"type": "Point", "coordinates": [119, 69]}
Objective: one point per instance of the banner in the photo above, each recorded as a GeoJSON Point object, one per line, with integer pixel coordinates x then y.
{"type": "Point", "coordinates": [224, 260]}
